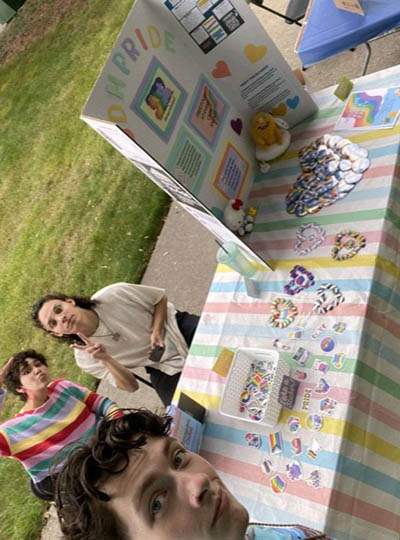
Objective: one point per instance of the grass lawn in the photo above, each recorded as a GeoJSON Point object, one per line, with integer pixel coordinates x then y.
{"type": "Point", "coordinates": [74, 214]}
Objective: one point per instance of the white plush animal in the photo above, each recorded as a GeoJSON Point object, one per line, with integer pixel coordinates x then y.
{"type": "Point", "coordinates": [236, 219]}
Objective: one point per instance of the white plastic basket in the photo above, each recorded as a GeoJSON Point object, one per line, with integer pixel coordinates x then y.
{"type": "Point", "coordinates": [236, 382]}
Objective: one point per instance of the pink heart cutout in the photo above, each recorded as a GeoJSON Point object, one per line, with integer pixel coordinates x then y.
{"type": "Point", "coordinates": [237, 125]}
{"type": "Point", "coordinates": [221, 70]}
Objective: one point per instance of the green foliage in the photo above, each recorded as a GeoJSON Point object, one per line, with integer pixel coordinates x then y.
{"type": "Point", "coordinates": [74, 214]}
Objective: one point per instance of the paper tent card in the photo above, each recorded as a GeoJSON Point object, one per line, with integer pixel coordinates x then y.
{"type": "Point", "coordinates": [177, 94]}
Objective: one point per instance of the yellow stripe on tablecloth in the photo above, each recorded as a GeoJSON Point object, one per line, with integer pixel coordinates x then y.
{"type": "Point", "coordinates": [330, 426]}
{"type": "Point", "coordinates": [208, 401]}
{"type": "Point", "coordinates": [356, 138]}
{"type": "Point", "coordinates": [382, 263]}
{"type": "Point", "coordinates": [351, 432]}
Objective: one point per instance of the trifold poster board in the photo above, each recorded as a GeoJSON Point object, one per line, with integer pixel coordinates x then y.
{"type": "Point", "coordinates": [177, 94]}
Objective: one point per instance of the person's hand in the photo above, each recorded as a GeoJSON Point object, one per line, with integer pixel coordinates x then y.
{"type": "Point", "coordinates": [156, 338]}
{"type": "Point", "coordinates": [4, 370]}
{"type": "Point", "coordinates": [96, 350]}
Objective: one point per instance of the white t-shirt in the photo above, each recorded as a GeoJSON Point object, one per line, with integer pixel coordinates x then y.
{"type": "Point", "coordinates": [126, 311]}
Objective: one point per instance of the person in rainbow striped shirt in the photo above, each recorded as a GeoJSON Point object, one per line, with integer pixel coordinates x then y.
{"type": "Point", "coordinates": [133, 481]}
{"type": "Point", "coordinates": [55, 414]}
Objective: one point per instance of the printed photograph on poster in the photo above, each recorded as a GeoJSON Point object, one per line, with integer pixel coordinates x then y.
{"type": "Point", "coordinates": [207, 112]}
{"type": "Point", "coordinates": [174, 189]}
{"type": "Point", "coordinates": [208, 22]}
{"type": "Point", "coordinates": [232, 173]}
{"type": "Point", "coordinates": [159, 100]}
{"type": "Point", "coordinates": [188, 161]}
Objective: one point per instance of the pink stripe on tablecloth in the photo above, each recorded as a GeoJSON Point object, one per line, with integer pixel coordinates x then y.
{"type": "Point", "coordinates": [343, 310]}
{"type": "Point", "coordinates": [366, 511]}
{"type": "Point", "coordinates": [202, 374]}
{"type": "Point", "coordinates": [370, 236]}
{"type": "Point", "coordinates": [253, 473]}
{"type": "Point", "coordinates": [380, 319]}
{"type": "Point", "coordinates": [372, 172]}
{"type": "Point", "coordinates": [300, 489]}
{"type": "Point", "coordinates": [342, 395]}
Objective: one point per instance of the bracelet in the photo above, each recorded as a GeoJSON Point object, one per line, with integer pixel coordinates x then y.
{"type": "Point", "coordinates": [309, 237]}
{"type": "Point", "coordinates": [322, 305]}
{"type": "Point", "coordinates": [283, 313]}
{"type": "Point", "coordinates": [301, 279]}
{"type": "Point", "coordinates": [349, 241]}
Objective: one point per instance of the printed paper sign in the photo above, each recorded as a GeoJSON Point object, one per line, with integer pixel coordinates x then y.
{"type": "Point", "coordinates": [207, 112]}
{"type": "Point", "coordinates": [188, 161]}
{"type": "Point", "coordinates": [232, 173]}
{"type": "Point", "coordinates": [353, 6]}
{"type": "Point", "coordinates": [208, 22]}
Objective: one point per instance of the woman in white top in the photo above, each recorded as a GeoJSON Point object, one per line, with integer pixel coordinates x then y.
{"type": "Point", "coordinates": [131, 321]}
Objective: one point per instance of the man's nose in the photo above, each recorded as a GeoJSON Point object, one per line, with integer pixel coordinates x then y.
{"type": "Point", "coordinates": [195, 487]}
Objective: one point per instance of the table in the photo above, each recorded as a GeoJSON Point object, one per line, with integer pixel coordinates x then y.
{"type": "Point", "coordinates": [329, 31]}
{"type": "Point", "coordinates": [359, 460]}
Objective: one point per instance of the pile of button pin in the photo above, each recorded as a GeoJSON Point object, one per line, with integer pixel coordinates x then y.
{"type": "Point", "coordinates": [331, 168]}
{"type": "Point", "coordinates": [255, 395]}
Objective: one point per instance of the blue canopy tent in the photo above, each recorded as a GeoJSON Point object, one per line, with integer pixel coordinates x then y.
{"type": "Point", "coordinates": [330, 30]}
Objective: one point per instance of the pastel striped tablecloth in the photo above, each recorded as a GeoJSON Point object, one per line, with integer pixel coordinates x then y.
{"type": "Point", "coordinates": [358, 461]}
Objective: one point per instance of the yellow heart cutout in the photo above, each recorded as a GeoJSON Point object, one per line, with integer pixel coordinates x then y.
{"type": "Point", "coordinates": [280, 110]}
{"type": "Point", "coordinates": [255, 53]}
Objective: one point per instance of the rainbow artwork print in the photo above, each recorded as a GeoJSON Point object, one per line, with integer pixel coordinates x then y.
{"type": "Point", "coordinates": [370, 109]}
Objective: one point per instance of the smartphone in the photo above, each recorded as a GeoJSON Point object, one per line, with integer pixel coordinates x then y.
{"type": "Point", "coordinates": [156, 353]}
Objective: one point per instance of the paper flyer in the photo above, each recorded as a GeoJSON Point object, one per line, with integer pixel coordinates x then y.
{"type": "Point", "coordinates": [177, 94]}
{"type": "Point", "coordinates": [370, 109]}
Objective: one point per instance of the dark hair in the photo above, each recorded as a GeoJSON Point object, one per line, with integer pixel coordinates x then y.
{"type": "Point", "coordinates": [81, 505]}
{"type": "Point", "coordinates": [84, 302]}
{"type": "Point", "coordinates": [12, 380]}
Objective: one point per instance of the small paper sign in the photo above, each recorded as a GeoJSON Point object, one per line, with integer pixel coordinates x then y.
{"type": "Point", "coordinates": [353, 6]}
{"type": "Point", "coordinates": [288, 392]}
{"type": "Point", "coordinates": [223, 362]}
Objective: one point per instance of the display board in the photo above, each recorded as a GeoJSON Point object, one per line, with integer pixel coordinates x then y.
{"type": "Point", "coordinates": [177, 94]}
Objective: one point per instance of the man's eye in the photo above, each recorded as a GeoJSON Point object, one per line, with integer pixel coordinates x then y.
{"type": "Point", "coordinates": [57, 310]}
{"type": "Point", "coordinates": [179, 458]}
{"type": "Point", "coordinates": [157, 504]}
{"type": "Point", "coordinates": [52, 323]}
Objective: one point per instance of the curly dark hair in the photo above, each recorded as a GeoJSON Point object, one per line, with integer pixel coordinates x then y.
{"type": "Point", "coordinates": [81, 506]}
{"type": "Point", "coordinates": [12, 380]}
{"type": "Point", "coordinates": [84, 302]}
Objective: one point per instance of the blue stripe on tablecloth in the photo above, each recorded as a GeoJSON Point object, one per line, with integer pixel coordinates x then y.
{"type": "Point", "coordinates": [295, 169]}
{"type": "Point", "coordinates": [326, 459]}
{"type": "Point", "coordinates": [356, 195]}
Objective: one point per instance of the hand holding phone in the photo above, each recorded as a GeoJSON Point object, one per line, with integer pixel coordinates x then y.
{"type": "Point", "coordinates": [156, 353]}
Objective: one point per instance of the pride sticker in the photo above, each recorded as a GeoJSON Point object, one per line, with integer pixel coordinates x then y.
{"type": "Point", "coordinates": [278, 484]}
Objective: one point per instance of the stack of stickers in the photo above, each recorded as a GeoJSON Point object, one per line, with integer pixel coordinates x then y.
{"type": "Point", "coordinates": [255, 395]}
{"type": "Point", "coordinates": [331, 168]}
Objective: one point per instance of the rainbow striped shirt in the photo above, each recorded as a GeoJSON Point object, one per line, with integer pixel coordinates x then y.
{"type": "Point", "coordinates": [69, 415]}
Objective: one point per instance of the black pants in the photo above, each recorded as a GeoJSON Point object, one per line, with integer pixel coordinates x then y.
{"type": "Point", "coordinates": [45, 489]}
{"type": "Point", "coordinates": [164, 384]}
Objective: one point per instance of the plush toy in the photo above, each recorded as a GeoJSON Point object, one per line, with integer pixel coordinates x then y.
{"type": "Point", "coordinates": [271, 137]}
{"type": "Point", "coordinates": [236, 219]}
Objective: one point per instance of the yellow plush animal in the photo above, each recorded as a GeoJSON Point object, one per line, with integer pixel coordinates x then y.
{"type": "Point", "coordinates": [265, 130]}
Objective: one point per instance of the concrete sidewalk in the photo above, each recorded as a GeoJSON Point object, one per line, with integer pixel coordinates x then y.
{"type": "Point", "coordinates": [183, 261]}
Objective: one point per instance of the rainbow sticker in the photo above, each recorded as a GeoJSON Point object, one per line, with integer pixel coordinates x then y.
{"type": "Point", "coordinates": [338, 360]}
{"type": "Point", "coordinates": [278, 484]}
{"type": "Point", "coordinates": [276, 442]}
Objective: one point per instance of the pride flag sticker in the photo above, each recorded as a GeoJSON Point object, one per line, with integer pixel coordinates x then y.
{"type": "Point", "coordinates": [278, 484]}
{"type": "Point", "coordinates": [276, 442]}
